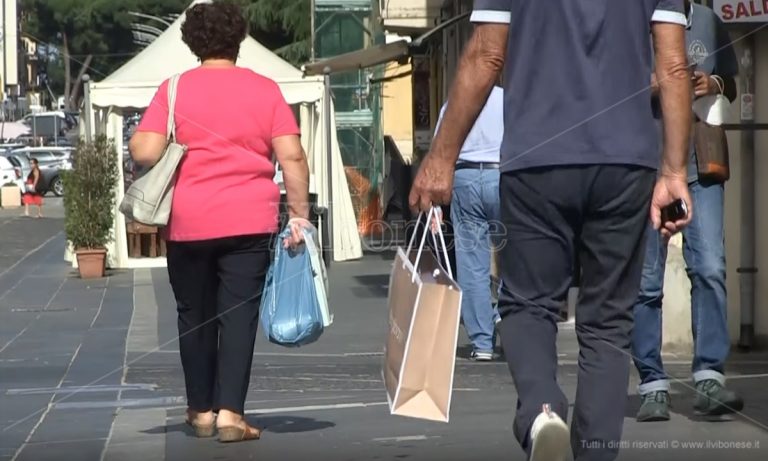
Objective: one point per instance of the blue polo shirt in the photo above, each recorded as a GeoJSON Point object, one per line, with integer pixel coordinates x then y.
{"type": "Point", "coordinates": [577, 80]}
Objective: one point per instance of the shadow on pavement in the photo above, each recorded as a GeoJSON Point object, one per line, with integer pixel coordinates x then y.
{"type": "Point", "coordinates": [169, 428]}
{"type": "Point", "coordinates": [274, 424]}
{"type": "Point", "coordinates": [372, 286]}
{"type": "Point", "coordinates": [290, 424]}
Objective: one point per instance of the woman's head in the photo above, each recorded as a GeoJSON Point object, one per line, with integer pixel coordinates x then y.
{"type": "Point", "coordinates": [214, 30]}
{"type": "Point", "coordinates": [34, 162]}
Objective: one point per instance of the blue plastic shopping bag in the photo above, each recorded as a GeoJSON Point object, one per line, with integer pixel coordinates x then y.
{"type": "Point", "coordinates": [291, 307]}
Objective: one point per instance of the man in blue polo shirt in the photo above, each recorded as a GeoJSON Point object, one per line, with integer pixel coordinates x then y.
{"type": "Point", "coordinates": [579, 162]}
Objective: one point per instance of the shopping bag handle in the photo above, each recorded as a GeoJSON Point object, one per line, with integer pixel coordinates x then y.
{"type": "Point", "coordinates": [415, 231]}
{"type": "Point", "coordinates": [446, 260]}
{"type": "Point", "coordinates": [432, 212]}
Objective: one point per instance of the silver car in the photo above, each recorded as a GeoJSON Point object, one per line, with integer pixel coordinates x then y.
{"type": "Point", "coordinates": [52, 161]}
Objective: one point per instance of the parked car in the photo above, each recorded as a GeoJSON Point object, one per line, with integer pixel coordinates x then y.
{"type": "Point", "coordinates": [8, 173]}
{"type": "Point", "coordinates": [52, 161]}
{"type": "Point", "coordinates": [21, 163]}
{"type": "Point", "coordinates": [9, 147]}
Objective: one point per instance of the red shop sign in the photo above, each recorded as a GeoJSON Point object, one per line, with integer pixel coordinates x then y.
{"type": "Point", "coordinates": [742, 10]}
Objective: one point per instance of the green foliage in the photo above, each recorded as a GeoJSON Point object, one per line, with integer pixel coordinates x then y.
{"type": "Point", "coordinates": [284, 26]}
{"type": "Point", "coordinates": [89, 194]}
{"type": "Point", "coordinates": [98, 32]}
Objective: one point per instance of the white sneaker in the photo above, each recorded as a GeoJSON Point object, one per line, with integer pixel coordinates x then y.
{"type": "Point", "coordinates": [550, 438]}
{"type": "Point", "coordinates": [479, 356]}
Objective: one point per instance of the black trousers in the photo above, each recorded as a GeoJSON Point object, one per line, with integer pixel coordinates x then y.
{"type": "Point", "coordinates": [218, 285]}
{"type": "Point", "coordinates": [599, 213]}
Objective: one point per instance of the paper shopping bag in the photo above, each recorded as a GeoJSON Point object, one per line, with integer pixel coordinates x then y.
{"type": "Point", "coordinates": [420, 355]}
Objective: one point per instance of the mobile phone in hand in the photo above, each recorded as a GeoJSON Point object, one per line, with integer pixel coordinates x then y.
{"type": "Point", "coordinates": [675, 211]}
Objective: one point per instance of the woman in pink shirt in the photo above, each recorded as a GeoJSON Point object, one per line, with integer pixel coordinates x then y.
{"type": "Point", "coordinates": [225, 210]}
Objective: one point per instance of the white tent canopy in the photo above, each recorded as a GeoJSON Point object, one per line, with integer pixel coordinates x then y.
{"type": "Point", "coordinates": [134, 84]}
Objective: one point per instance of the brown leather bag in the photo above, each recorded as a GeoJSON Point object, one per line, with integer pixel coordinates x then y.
{"type": "Point", "coordinates": [712, 157]}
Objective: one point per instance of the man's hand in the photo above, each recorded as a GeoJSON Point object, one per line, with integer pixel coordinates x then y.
{"type": "Point", "coordinates": [433, 184]}
{"type": "Point", "coordinates": [668, 189]}
{"type": "Point", "coordinates": [704, 85]}
{"type": "Point", "coordinates": [479, 67]}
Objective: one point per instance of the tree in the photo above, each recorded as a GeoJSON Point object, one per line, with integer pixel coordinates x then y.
{"type": "Point", "coordinates": [96, 37]}
{"type": "Point", "coordinates": [284, 26]}
{"type": "Point", "coordinates": [92, 36]}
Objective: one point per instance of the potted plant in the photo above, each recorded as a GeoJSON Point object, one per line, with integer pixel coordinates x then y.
{"type": "Point", "coordinates": [10, 195]}
{"type": "Point", "coordinates": [89, 203]}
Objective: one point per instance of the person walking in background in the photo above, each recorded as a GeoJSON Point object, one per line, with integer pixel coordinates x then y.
{"type": "Point", "coordinates": [225, 210]}
{"type": "Point", "coordinates": [714, 61]}
{"type": "Point", "coordinates": [32, 194]}
{"type": "Point", "coordinates": [579, 161]}
{"type": "Point", "coordinates": [475, 220]}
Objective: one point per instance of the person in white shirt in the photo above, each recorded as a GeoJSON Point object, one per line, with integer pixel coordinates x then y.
{"type": "Point", "coordinates": [475, 220]}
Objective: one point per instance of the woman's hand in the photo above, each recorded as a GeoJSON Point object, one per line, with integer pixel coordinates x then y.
{"type": "Point", "coordinates": [296, 226]}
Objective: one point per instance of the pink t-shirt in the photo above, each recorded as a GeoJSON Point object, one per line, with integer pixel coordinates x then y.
{"type": "Point", "coordinates": [227, 118]}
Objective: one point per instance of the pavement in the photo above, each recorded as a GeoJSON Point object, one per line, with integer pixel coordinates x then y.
{"type": "Point", "coordinates": [89, 370]}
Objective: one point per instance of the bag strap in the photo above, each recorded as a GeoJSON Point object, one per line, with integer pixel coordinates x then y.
{"type": "Point", "coordinates": [432, 212]}
{"type": "Point", "coordinates": [173, 86]}
{"type": "Point", "coordinates": [446, 260]}
{"type": "Point", "coordinates": [720, 83]}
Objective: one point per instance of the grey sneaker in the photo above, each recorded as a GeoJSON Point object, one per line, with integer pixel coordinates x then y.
{"type": "Point", "coordinates": [713, 399]}
{"type": "Point", "coordinates": [655, 407]}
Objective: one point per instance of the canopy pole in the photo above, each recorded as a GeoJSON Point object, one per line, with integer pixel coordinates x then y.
{"type": "Point", "coordinates": [87, 107]}
{"type": "Point", "coordinates": [329, 158]}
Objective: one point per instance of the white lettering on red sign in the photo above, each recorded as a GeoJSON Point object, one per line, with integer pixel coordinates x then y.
{"type": "Point", "coordinates": [742, 10]}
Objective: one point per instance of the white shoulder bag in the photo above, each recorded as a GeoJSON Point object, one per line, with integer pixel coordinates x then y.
{"type": "Point", "coordinates": [149, 199]}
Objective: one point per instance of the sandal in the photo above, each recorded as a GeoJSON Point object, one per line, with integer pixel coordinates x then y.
{"type": "Point", "coordinates": [202, 430]}
{"type": "Point", "coordinates": [228, 434]}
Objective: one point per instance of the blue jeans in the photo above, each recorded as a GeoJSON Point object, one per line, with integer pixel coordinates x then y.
{"type": "Point", "coordinates": [475, 220]}
{"type": "Point", "coordinates": [704, 253]}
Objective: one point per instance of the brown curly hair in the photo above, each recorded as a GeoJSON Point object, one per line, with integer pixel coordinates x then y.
{"type": "Point", "coordinates": [214, 30]}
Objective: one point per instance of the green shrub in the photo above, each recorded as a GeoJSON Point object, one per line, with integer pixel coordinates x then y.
{"type": "Point", "coordinates": [89, 194]}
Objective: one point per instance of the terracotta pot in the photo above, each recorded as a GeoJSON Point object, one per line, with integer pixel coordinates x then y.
{"type": "Point", "coordinates": [92, 263]}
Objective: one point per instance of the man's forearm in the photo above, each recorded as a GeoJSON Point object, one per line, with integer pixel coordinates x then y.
{"type": "Point", "coordinates": [675, 94]}
{"type": "Point", "coordinates": [479, 69]}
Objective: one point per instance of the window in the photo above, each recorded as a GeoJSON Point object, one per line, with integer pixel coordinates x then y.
{"type": "Point", "coordinates": [42, 156]}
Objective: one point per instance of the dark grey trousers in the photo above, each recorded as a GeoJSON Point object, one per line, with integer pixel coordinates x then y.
{"type": "Point", "coordinates": [599, 213]}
